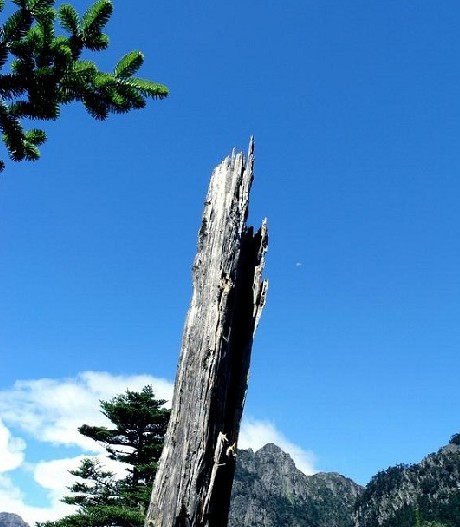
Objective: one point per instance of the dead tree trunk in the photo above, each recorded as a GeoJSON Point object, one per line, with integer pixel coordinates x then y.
{"type": "Point", "coordinates": [195, 474]}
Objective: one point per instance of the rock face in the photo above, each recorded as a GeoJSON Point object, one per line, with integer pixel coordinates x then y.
{"type": "Point", "coordinates": [269, 491]}
{"type": "Point", "coordinates": [408, 495]}
{"type": "Point", "coordinates": [8, 519]}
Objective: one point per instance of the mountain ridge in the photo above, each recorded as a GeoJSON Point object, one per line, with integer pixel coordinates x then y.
{"type": "Point", "coordinates": [10, 519]}
{"type": "Point", "coordinates": [269, 491]}
{"type": "Point", "coordinates": [402, 495]}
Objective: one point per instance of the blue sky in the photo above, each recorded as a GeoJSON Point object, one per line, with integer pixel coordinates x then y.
{"type": "Point", "coordinates": [355, 109]}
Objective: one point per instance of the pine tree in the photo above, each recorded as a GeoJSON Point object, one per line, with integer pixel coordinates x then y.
{"type": "Point", "coordinates": [46, 71]}
{"type": "Point", "coordinates": [136, 441]}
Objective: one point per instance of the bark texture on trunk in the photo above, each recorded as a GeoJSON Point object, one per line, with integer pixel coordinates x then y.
{"type": "Point", "coordinates": [195, 474]}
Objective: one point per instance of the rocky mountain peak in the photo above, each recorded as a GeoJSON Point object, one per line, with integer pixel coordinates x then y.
{"type": "Point", "coordinates": [269, 490]}
{"type": "Point", "coordinates": [8, 519]}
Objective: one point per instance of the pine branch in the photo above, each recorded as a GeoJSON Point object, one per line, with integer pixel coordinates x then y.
{"type": "Point", "coordinates": [95, 18]}
{"type": "Point", "coordinates": [149, 89]}
{"type": "Point", "coordinates": [69, 19]}
{"type": "Point", "coordinates": [129, 64]}
{"type": "Point", "coordinates": [45, 71]}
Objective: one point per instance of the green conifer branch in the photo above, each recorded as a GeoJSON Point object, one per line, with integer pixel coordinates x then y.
{"type": "Point", "coordinates": [46, 71]}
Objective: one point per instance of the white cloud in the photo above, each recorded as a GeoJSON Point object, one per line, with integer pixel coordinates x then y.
{"type": "Point", "coordinates": [51, 410]}
{"type": "Point", "coordinates": [12, 499]}
{"type": "Point", "coordinates": [255, 434]}
{"type": "Point", "coordinates": [54, 476]}
{"type": "Point", "coordinates": [11, 448]}
{"type": "Point", "coordinates": [104, 383]}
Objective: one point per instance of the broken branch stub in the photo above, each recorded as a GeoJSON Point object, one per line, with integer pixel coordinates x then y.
{"type": "Point", "coordinates": [195, 473]}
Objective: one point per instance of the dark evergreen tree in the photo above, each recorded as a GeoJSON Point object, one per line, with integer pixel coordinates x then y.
{"type": "Point", "coordinates": [45, 71]}
{"type": "Point", "coordinates": [135, 440]}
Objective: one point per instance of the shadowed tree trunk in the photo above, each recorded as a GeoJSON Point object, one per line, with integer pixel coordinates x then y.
{"type": "Point", "coordinates": [195, 473]}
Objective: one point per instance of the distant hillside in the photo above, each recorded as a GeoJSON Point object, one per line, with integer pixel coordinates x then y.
{"type": "Point", "coordinates": [415, 495]}
{"type": "Point", "coordinates": [8, 519]}
{"type": "Point", "coordinates": [269, 491]}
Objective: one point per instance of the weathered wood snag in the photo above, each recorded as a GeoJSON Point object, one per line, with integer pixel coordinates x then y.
{"type": "Point", "coordinates": [195, 473]}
